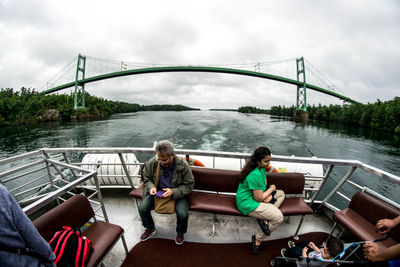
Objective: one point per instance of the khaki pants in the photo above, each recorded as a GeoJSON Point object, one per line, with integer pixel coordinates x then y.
{"type": "Point", "coordinates": [269, 212]}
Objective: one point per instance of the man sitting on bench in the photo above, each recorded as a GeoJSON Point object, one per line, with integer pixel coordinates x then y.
{"type": "Point", "coordinates": [176, 181]}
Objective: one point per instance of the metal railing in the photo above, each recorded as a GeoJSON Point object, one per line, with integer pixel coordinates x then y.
{"type": "Point", "coordinates": [70, 157]}
{"type": "Point", "coordinates": [43, 181]}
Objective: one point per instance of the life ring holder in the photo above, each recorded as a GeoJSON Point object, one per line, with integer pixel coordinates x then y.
{"type": "Point", "coordinates": [194, 162]}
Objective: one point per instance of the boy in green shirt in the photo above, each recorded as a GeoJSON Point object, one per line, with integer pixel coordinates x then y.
{"type": "Point", "coordinates": [254, 199]}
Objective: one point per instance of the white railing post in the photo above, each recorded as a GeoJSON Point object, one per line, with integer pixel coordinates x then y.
{"type": "Point", "coordinates": [344, 179]}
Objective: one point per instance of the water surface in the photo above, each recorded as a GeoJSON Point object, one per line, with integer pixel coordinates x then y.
{"type": "Point", "coordinates": [217, 131]}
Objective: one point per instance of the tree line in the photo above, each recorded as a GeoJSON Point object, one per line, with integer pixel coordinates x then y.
{"type": "Point", "coordinates": [379, 115]}
{"type": "Point", "coordinates": [249, 109]}
{"type": "Point", "coordinates": [29, 106]}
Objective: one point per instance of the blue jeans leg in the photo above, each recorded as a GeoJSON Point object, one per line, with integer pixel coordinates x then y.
{"type": "Point", "coordinates": [145, 212]}
{"type": "Point", "coordinates": [182, 214]}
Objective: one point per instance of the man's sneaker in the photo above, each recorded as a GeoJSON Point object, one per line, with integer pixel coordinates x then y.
{"type": "Point", "coordinates": [290, 243]}
{"type": "Point", "coordinates": [283, 251]}
{"type": "Point", "coordinates": [148, 234]}
{"type": "Point", "coordinates": [179, 239]}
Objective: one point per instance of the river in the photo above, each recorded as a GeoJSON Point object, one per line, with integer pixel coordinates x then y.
{"type": "Point", "coordinates": [215, 130]}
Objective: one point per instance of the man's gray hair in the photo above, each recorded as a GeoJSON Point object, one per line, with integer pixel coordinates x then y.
{"type": "Point", "coordinates": [165, 146]}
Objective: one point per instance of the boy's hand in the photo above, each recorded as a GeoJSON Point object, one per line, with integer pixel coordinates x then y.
{"type": "Point", "coordinates": [304, 252]}
{"type": "Point", "coordinates": [313, 246]}
{"type": "Point", "coordinates": [268, 199]}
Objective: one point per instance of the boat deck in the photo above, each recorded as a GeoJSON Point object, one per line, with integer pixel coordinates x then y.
{"type": "Point", "coordinates": [25, 173]}
{"type": "Point", "coordinates": [210, 254]}
{"type": "Point", "coordinates": [122, 210]}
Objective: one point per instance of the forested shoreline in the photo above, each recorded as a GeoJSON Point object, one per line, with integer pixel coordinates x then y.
{"type": "Point", "coordinates": [250, 109]}
{"type": "Point", "coordinates": [380, 115]}
{"type": "Point", "coordinates": [28, 106]}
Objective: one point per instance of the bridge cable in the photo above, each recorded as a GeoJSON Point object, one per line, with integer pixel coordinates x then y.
{"type": "Point", "coordinates": [64, 70]}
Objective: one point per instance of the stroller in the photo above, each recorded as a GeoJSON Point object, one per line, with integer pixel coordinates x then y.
{"type": "Point", "coordinates": [351, 255]}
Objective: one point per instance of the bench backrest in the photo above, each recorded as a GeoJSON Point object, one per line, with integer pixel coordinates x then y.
{"type": "Point", "coordinates": [228, 180]}
{"type": "Point", "coordinates": [215, 179]}
{"type": "Point", "coordinates": [289, 182]}
{"type": "Point", "coordinates": [74, 212]}
{"type": "Point", "coordinates": [374, 210]}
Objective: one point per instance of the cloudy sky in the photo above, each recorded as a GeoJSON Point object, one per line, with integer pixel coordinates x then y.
{"type": "Point", "coordinates": [354, 44]}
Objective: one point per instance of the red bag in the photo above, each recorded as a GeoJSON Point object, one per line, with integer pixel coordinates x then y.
{"type": "Point", "coordinates": [70, 247]}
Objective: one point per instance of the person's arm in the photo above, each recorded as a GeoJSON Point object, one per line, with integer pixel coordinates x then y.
{"type": "Point", "coordinates": [148, 173]}
{"type": "Point", "coordinates": [304, 252]}
{"type": "Point", "coordinates": [385, 225]}
{"type": "Point", "coordinates": [33, 240]}
{"type": "Point", "coordinates": [313, 246]}
{"type": "Point", "coordinates": [261, 196]}
{"type": "Point", "coordinates": [373, 252]}
{"type": "Point", "coordinates": [187, 184]}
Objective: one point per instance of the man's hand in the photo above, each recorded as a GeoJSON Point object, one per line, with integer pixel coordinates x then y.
{"type": "Point", "coordinates": [371, 251]}
{"type": "Point", "coordinates": [153, 191]}
{"type": "Point", "coordinates": [168, 192]}
{"type": "Point", "coordinates": [384, 226]}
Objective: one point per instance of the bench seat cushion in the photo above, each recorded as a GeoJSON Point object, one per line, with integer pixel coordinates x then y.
{"type": "Point", "coordinates": [226, 204]}
{"type": "Point", "coordinates": [103, 236]}
{"type": "Point", "coordinates": [295, 206]}
{"type": "Point", "coordinates": [214, 203]}
{"type": "Point", "coordinates": [359, 227]}
{"type": "Point", "coordinates": [137, 192]}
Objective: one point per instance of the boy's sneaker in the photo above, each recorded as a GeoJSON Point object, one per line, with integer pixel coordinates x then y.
{"type": "Point", "coordinates": [253, 247]}
{"type": "Point", "coordinates": [147, 234]}
{"type": "Point", "coordinates": [290, 243]}
{"type": "Point", "coordinates": [264, 227]}
{"type": "Point", "coordinates": [283, 251]}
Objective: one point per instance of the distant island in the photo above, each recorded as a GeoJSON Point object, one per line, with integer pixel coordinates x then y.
{"type": "Point", "coordinates": [249, 109]}
{"type": "Point", "coordinates": [28, 106]}
{"type": "Point", "coordinates": [222, 109]}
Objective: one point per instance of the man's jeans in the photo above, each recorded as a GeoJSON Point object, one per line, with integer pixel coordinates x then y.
{"type": "Point", "coordinates": [181, 210]}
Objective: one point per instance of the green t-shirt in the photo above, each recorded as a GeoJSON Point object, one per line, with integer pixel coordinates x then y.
{"type": "Point", "coordinates": [257, 179]}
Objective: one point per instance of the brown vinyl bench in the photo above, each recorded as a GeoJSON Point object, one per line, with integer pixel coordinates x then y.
{"type": "Point", "coordinates": [361, 216]}
{"type": "Point", "coordinates": [215, 192]}
{"type": "Point", "coordinates": [76, 212]}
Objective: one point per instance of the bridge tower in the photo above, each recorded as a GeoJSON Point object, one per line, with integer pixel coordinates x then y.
{"type": "Point", "coordinates": [79, 96]}
{"type": "Point", "coordinates": [301, 114]}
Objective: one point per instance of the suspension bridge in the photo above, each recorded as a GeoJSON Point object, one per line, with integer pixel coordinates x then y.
{"type": "Point", "coordinates": [83, 70]}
